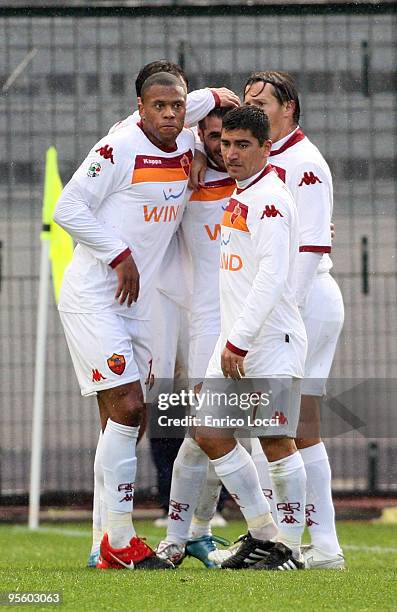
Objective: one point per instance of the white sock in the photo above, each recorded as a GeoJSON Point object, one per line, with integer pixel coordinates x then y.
{"type": "Point", "coordinates": [320, 513]}
{"type": "Point", "coordinates": [207, 504]}
{"type": "Point", "coordinates": [262, 467]}
{"type": "Point", "coordinates": [238, 474]}
{"type": "Point", "coordinates": [119, 469]}
{"type": "Point", "coordinates": [188, 476]}
{"type": "Point", "coordinates": [97, 527]}
{"type": "Point", "coordinates": [289, 483]}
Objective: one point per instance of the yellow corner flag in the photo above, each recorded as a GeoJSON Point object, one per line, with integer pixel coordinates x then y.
{"type": "Point", "coordinates": [61, 245]}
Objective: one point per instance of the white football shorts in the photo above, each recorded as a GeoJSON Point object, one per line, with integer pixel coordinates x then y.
{"type": "Point", "coordinates": [323, 316]}
{"type": "Point", "coordinates": [107, 349]}
{"type": "Point", "coordinates": [200, 351]}
{"type": "Point", "coordinates": [261, 407]}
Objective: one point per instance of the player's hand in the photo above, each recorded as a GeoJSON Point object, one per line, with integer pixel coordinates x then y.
{"type": "Point", "coordinates": [197, 171]}
{"type": "Point", "coordinates": [128, 285]}
{"type": "Point", "coordinates": [232, 365]}
{"type": "Point", "coordinates": [226, 96]}
{"type": "Point", "coordinates": [333, 232]}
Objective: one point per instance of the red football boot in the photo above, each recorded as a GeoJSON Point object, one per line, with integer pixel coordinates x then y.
{"type": "Point", "coordinates": [137, 555]}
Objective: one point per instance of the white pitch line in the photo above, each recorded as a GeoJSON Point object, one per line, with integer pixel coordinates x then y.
{"type": "Point", "coordinates": [370, 549]}
{"type": "Point", "coordinates": [73, 533]}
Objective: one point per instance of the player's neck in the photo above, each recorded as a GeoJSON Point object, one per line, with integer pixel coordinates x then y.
{"type": "Point", "coordinates": [214, 166]}
{"type": "Point", "coordinates": [282, 137]}
{"type": "Point", "coordinates": [168, 148]}
{"type": "Point", "coordinates": [245, 182]}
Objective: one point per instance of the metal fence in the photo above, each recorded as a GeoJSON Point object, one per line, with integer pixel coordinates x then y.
{"type": "Point", "coordinates": [66, 75]}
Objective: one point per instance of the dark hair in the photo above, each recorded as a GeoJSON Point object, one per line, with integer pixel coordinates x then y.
{"type": "Point", "coordinates": [218, 111]}
{"type": "Point", "coordinates": [284, 87]}
{"type": "Point", "coordinates": [160, 78]}
{"type": "Point", "coordinates": [248, 118]}
{"type": "Point", "coordinates": [158, 66]}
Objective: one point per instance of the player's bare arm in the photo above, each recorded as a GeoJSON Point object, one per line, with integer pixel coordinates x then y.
{"type": "Point", "coordinates": [232, 365]}
{"type": "Point", "coordinates": [198, 170]}
{"type": "Point", "coordinates": [128, 281]}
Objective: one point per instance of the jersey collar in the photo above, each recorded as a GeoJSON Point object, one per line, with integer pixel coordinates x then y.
{"type": "Point", "coordinates": [268, 168]}
{"type": "Point", "coordinates": [284, 144]}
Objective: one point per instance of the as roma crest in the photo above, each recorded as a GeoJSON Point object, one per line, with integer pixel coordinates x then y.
{"type": "Point", "coordinates": [235, 214]}
{"type": "Point", "coordinates": [116, 363]}
{"type": "Point", "coordinates": [185, 164]}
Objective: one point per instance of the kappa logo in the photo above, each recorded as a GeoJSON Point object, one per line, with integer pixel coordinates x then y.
{"type": "Point", "coordinates": [282, 419]}
{"type": "Point", "coordinates": [128, 488]}
{"type": "Point", "coordinates": [270, 211]}
{"type": "Point", "coordinates": [176, 508]}
{"type": "Point", "coordinates": [97, 376]}
{"type": "Point", "coordinates": [309, 509]}
{"type": "Point", "coordinates": [106, 152]}
{"type": "Point", "coordinates": [289, 509]}
{"type": "Point", "coordinates": [309, 178]}
{"type": "Point", "coordinates": [116, 364]}
{"type": "Point", "coordinates": [152, 162]}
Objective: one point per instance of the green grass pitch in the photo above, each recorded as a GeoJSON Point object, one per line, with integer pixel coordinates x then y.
{"type": "Point", "coordinates": [53, 559]}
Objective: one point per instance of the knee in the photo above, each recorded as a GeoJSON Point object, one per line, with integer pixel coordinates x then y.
{"type": "Point", "coordinates": [126, 405]}
{"type": "Point", "coordinates": [208, 445]}
{"type": "Point", "coordinates": [190, 452]}
{"type": "Point", "coordinates": [278, 448]}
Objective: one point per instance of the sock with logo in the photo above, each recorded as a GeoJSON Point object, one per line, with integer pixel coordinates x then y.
{"type": "Point", "coordinates": [207, 504]}
{"type": "Point", "coordinates": [238, 474]}
{"type": "Point", "coordinates": [289, 483]}
{"type": "Point", "coordinates": [98, 528]}
{"type": "Point", "coordinates": [262, 467]}
{"type": "Point", "coordinates": [320, 513]}
{"type": "Point", "coordinates": [119, 470]}
{"type": "Point", "coordinates": [188, 476]}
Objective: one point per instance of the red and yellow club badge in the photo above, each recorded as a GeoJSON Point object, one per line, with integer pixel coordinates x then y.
{"type": "Point", "coordinates": [116, 363]}
{"type": "Point", "coordinates": [185, 164]}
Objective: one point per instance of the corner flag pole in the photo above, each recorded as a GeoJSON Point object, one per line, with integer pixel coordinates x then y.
{"type": "Point", "coordinates": [52, 190]}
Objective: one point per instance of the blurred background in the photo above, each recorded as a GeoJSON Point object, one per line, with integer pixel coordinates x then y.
{"type": "Point", "coordinates": [67, 74]}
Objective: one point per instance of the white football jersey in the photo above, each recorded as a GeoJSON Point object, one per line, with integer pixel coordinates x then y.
{"type": "Point", "coordinates": [259, 249]}
{"type": "Point", "coordinates": [127, 195]}
{"type": "Point", "coordinates": [306, 173]}
{"type": "Point", "coordinates": [201, 225]}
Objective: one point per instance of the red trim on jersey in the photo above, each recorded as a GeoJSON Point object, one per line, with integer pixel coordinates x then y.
{"type": "Point", "coordinates": [216, 98]}
{"type": "Point", "coordinates": [155, 162]}
{"type": "Point", "coordinates": [162, 148]}
{"type": "Point", "coordinates": [296, 137]}
{"type": "Point", "coordinates": [280, 171]}
{"type": "Point", "coordinates": [242, 208]}
{"type": "Point", "coordinates": [314, 249]}
{"type": "Point", "coordinates": [225, 182]}
{"type": "Point", "coordinates": [266, 170]}
{"type": "Point", "coordinates": [235, 349]}
{"type": "Point", "coordinates": [123, 255]}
